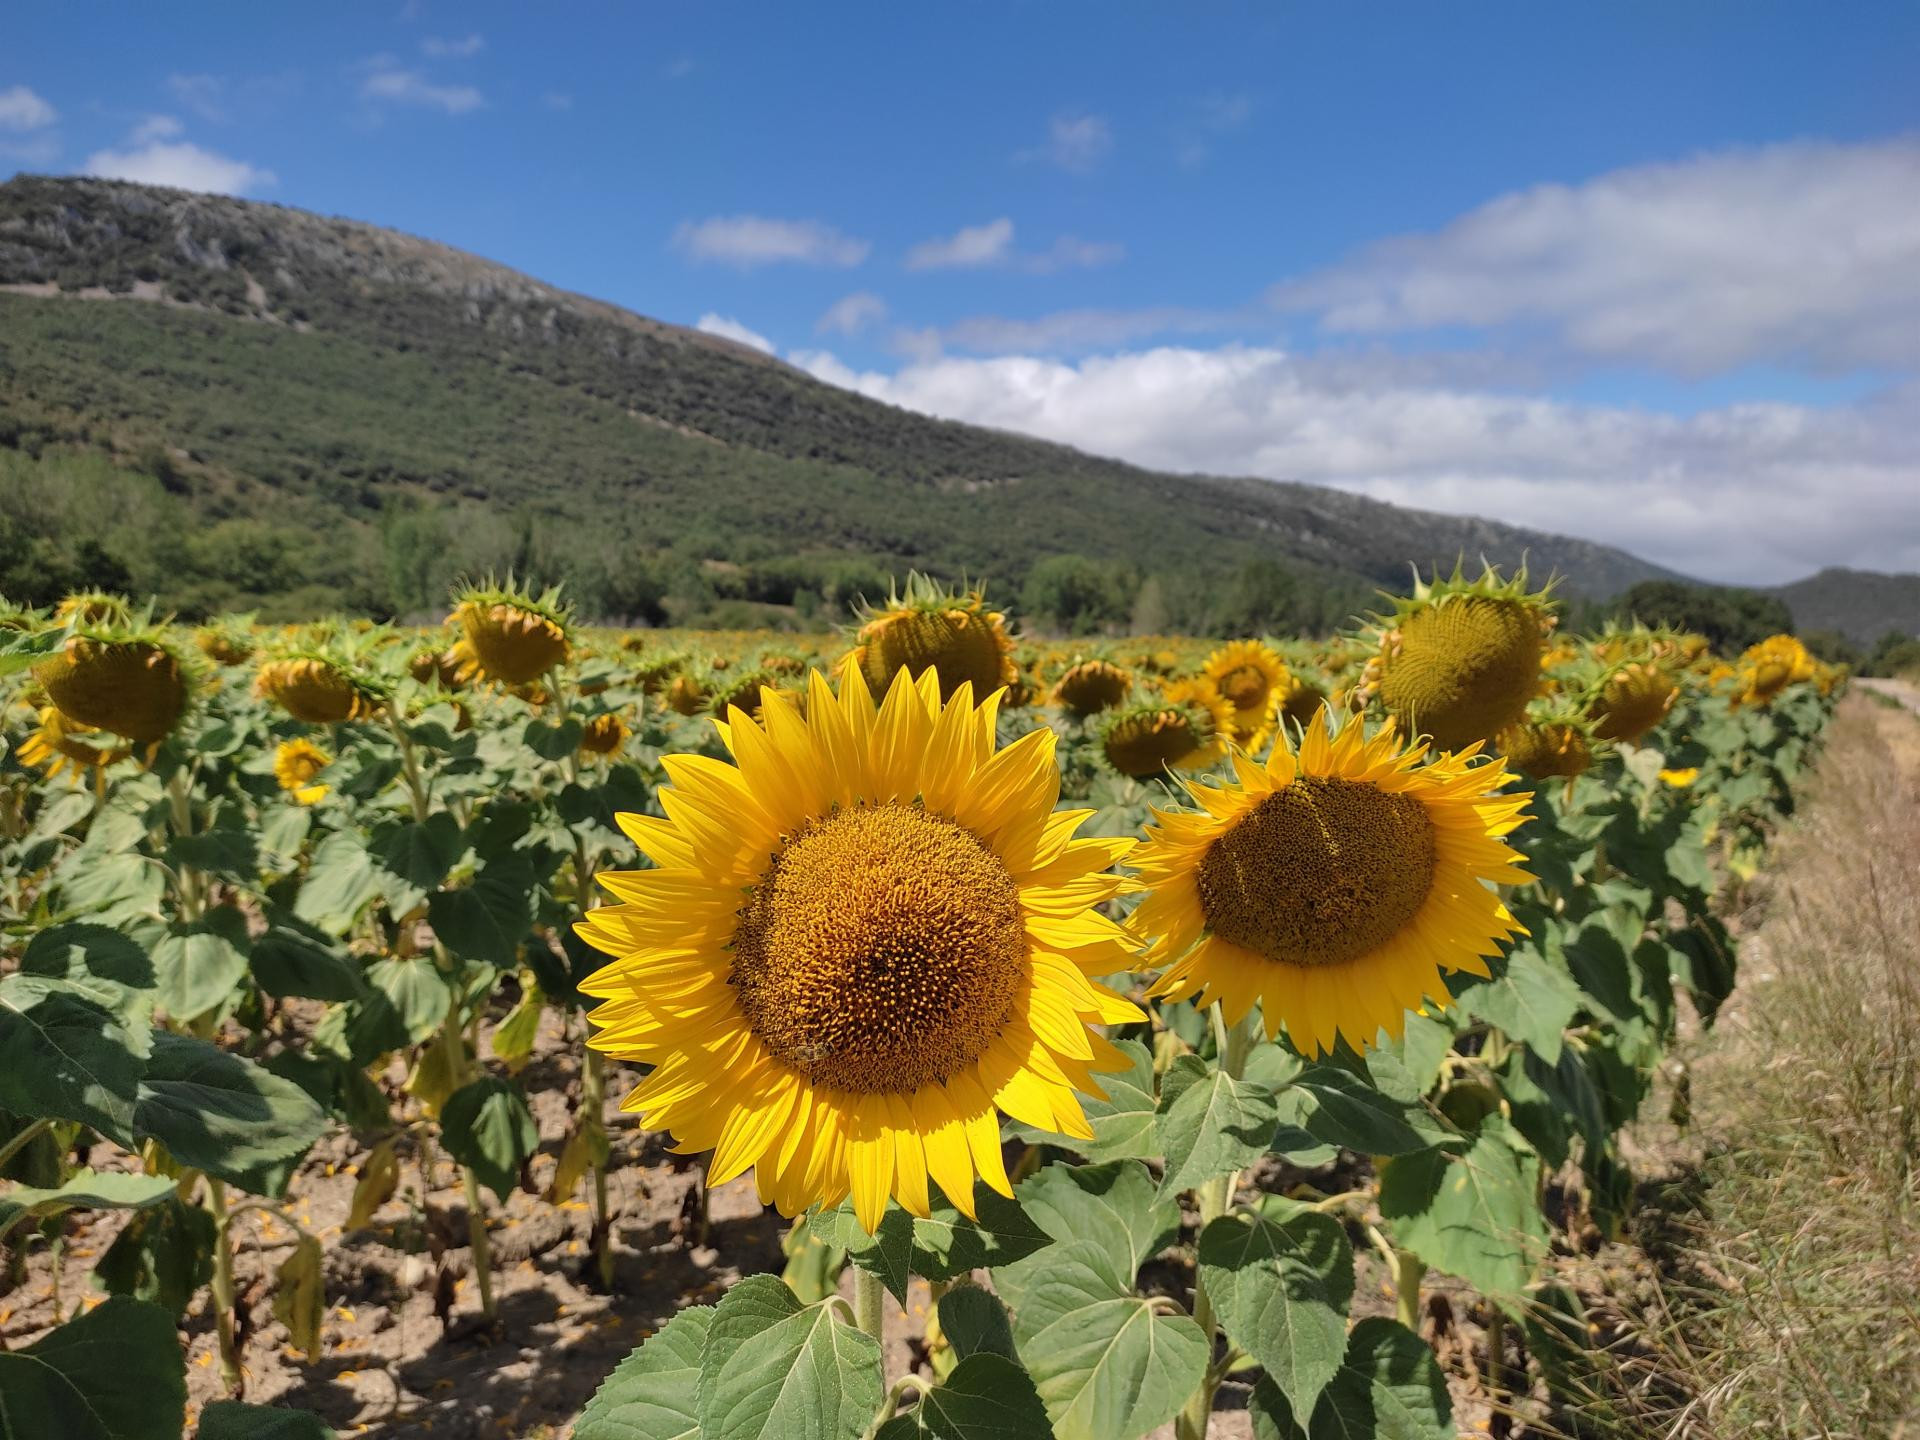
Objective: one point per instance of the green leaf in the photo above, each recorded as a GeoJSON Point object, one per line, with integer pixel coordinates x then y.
{"type": "Point", "coordinates": [163, 1255]}
{"type": "Point", "coordinates": [67, 1057]}
{"type": "Point", "coordinates": [114, 1373]}
{"type": "Point", "coordinates": [975, 1322]}
{"type": "Point", "coordinates": [225, 1115]}
{"type": "Point", "coordinates": [987, 1397]}
{"type": "Point", "coordinates": [295, 959]}
{"type": "Point", "coordinates": [300, 1296]}
{"type": "Point", "coordinates": [1533, 1002]}
{"type": "Point", "coordinates": [232, 1420]}
{"type": "Point", "coordinates": [940, 1247]}
{"type": "Point", "coordinates": [1210, 1124]}
{"type": "Point", "coordinates": [418, 990]}
{"type": "Point", "coordinates": [77, 950]}
{"type": "Point", "coordinates": [198, 964]}
{"type": "Point", "coordinates": [487, 1126]}
{"type": "Point", "coordinates": [116, 888]}
{"type": "Point", "coordinates": [772, 1367]}
{"type": "Point", "coordinates": [1280, 1284]}
{"type": "Point", "coordinates": [1105, 1363]}
{"type": "Point", "coordinates": [1474, 1215]}
{"type": "Point", "coordinates": [1123, 1123]}
{"type": "Point", "coordinates": [413, 857]}
{"type": "Point", "coordinates": [652, 1394]}
{"type": "Point", "coordinates": [488, 919]}
{"type": "Point", "coordinates": [1337, 1107]}
{"type": "Point", "coordinates": [1115, 1205]}
{"type": "Point", "coordinates": [84, 1190]}
{"type": "Point", "coordinates": [1389, 1387]}
{"type": "Point", "coordinates": [283, 830]}
{"type": "Point", "coordinates": [340, 882]}
{"type": "Point", "coordinates": [225, 850]}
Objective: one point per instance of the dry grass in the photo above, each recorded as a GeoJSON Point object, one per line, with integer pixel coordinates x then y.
{"type": "Point", "coordinates": [1792, 1301]}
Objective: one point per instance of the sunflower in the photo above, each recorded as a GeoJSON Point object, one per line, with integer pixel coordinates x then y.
{"type": "Point", "coordinates": [914, 950]}
{"type": "Point", "coordinates": [1335, 885]}
{"type": "Point", "coordinates": [604, 735]}
{"type": "Point", "coordinates": [1634, 698]}
{"type": "Point", "coordinates": [515, 636]}
{"type": "Point", "coordinates": [1460, 659]}
{"type": "Point", "coordinates": [296, 765]}
{"type": "Point", "coordinates": [743, 692]}
{"type": "Point", "coordinates": [1188, 728]}
{"type": "Point", "coordinates": [1300, 700]}
{"type": "Point", "coordinates": [60, 746]}
{"type": "Point", "coordinates": [95, 607]}
{"type": "Point", "coordinates": [931, 628]}
{"type": "Point", "coordinates": [1546, 749]}
{"type": "Point", "coordinates": [686, 694]}
{"type": "Point", "coordinates": [224, 644]}
{"type": "Point", "coordinates": [1089, 686]}
{"type": "Point", "coordinates": [1249, 676]}
{"type": "Point", "coordinates": [316, 689]}
{"type": "Point", "coordinates": [450, 665]}
{"type": "Point", "coordinates": [128, 682]}
{"type": "Point", "coordinates": [1682, 778]}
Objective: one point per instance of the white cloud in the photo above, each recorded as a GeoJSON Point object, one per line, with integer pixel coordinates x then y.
{"type": "Point", "coordinates": [1075, 141]}
{"type": "Point", "coordinates": [180, 164]}
{"type": "Point", "coordinates": [1082, 330]}
{"type": "Point", "coordinates": [204, 95]}
{"type": "Point", "coordinates": [410, 87]}
{"type": "Point", "coordinates": [156, 127]}
{"type": "Point", "coordinates": [975, 245]}
{"type": "Point", "coordinates": [1798, 254]}
{"type": "Point", "coordinates": [727, 328]}
{"type": "Point", "coordinates": [1754, 493]}
{"type": "Point", "coordinates": [464, 48]}
{"type": "Point", "coordinates": [750, 240]}
{"type": "Point", "coordinates": [852, 314]}
{"type": "Point", "coordinates": [21, 110]}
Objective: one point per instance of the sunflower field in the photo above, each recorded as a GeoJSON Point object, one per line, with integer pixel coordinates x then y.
{"type": "Point", "coordinates": [1166, 1026]}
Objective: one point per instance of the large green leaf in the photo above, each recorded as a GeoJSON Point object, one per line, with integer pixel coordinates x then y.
{"type": "Point", "coordinates": [1474, 1215]}
{"type": "Point", "coordinates": [1123, 1123]}
{"type": "Point", "coordinates": [224, 1114]}
{"type": "Point", "coordinates": [420, 993]}
{"type": "Point", "coordinates": [1337, 1107]}
{"type": "Point", "coordinates": [487, 919]}
{"type": "Point", "coordinates": [1280, 1283]}
{"type": "Point", "coordinates": [987, 1397]}
{"type": "Point", "coordinates": [198, 964]}
{"type": "Point", "coordinates": [84, 1190]}
{"type": "Point", "coordinates": [943, 1245]}
{"type": "Point", "coordinates": [232, 1420]}
{"type": "Point", "coordinates": [975, 1322]}
{"type": "Point", "coordinates": [293, 958]}
{"type": "Point", "coordinates": [339, 884]}
{"type": "Point", "coordinates": [114, 1373]}
{"type": "Point", "coordinates": [1210, 1124]}
{"type": "Point", "coordinates": [118, 887]}
{"type": "Point", "coordinates": [106, 965]}
{"type": "Point", "coordinates": [67, 1057]}
{"type": "Point", "coordinates": [653, 1393]}
{"type": "Point", "coordinates": [1533, 1002]}
{"type": "Point", "coordinates": [1389, 1387]}
{"type": "Point", "coordinates": [1107, 1364]}
{"type": "Point", "coordinates": [1115, 1205]}
{"type": "Point", "coordinates": [772, 1367]}
{"type": "Point", "coordinates": [487, 1126]}
{"type": "Point", "coordinates": [412, 857]}
{"type": "Point", "coordinates": [163, 1255]}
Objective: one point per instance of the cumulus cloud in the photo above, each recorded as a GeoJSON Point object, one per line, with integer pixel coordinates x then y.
{"type": "Point", "coordinates": [727, 328]}
{"type": "Point", "coordinates": [410, 87]}
{"type": "Point", "coordinates": [1076, 142]}
{"type": "Point", "coordinates": [21, 110]}
{"type": "Point", "coordinates": [1750, 493]}
{"type": "Point", "coordinates": [747, 241]}
{"type": "Point", "coordinates": [852, 314]}
{"type": "Point", "coordinates": [180, 164]}
{"type": "Point", "coordinates": [1803, 254]}
{"type": "Point", "coordinates": [463, 48]}
{"type": "Point", "coordinates": [980, 246]}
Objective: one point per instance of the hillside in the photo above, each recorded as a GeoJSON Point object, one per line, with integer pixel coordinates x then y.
{"type": "Point", "coordinates": [242, 403]}
{"type": "Point", "coordinates": [1862, 605]}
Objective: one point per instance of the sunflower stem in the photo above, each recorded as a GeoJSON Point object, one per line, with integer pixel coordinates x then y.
{"type": "Point", "coordinates": [222, 1287]}
{"type": "Point", "coordinates": [26, 1137]}
{"type": "Point", "coordinates": [593, 1106]}
{"type": "Point", "coordinates": [869, 1310]}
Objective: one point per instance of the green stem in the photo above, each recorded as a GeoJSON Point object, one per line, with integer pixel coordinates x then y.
{"type": "Point", "coordinates": [223, 1287]}
{"type": "Point", "coordinates": [593, 1107]}
{"type": "Point", "coordinates": [477, 1238]}
{"type": "Point", "coordinates": [20, 1142]}
{"type": "Point", "coordinates": [869, 1309]}
{"type": "Point", "coordinates": [410, 766]}
{"type": "Point", "coordinates": [1496, 1358]}
{"type": "Point", "coordinates": [1408, 1271]}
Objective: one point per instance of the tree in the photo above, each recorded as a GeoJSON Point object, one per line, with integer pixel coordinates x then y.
{"type": "Point", "coordinates": [1077, 595]}
{"type": "Point", "coordinates": [1731, 618]}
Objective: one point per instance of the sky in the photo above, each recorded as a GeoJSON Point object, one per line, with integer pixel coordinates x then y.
{"type": "Point", "coordinates": [1639, 272]}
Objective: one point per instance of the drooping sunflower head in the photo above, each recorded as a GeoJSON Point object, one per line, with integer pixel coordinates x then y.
{"type": "Point", "coordinates": [1632, 698]}
{"type": "Point", "coordinates": [742, 690]}
{"type": "Point", "coordinates": [127, 679]}
{"type": "Point", "coordinates": [1459, 659]}
{"type": "Point", "coordinates": [1334, 885]}
{"type": "Point", "coordinates": [320, 689]}
{"type": "Point", "coordinates": [515, 636]}
{"type": "Point", "coordinates": [1250, 677]}
{"type": "Point", "coordinates": [914, 953]}
{"type": "Point", "coordinates": [1767, 668]}
{"type": "Point", "coordinates": [94, 607]}
{"type": "Point", "coordinates": [297, 765]}
{"type": "Point", "coordinates": [1547, 748]}
{"type": "Point", "coordinates": [1188, 728]}
{"type": "Point", "coordinates": [61, 746]}
{"type": "Point", "coordinates": [226, 642]}
{"type": "Point", "coordinates": [445, 661]}
{"type": "Point", "coordinates": [1089, 686]}
{"type": "Point", "coordinates": [929, 627]}
{"type": "Point", "coordinates": [686, 693]}
{"type": "Point", "coordinates": [604, 734]}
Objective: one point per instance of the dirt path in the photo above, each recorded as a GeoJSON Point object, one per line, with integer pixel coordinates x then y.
{"type": "Point", "coordinates": [1903, 691]}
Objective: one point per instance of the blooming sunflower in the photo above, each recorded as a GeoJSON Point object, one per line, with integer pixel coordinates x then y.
{"type": "Point", "coordinates": [604, 734]}
{"type": "Point", "coordinates": [1546, 749]}
{"type": "Point", "coordinates": [1089, 686]}
{"type": "Point", "coordinates": [1188, 728]}
{"type": "Point", "coordinates": [61, 746]}
{"type": "Point", "coordinates": [515, 637]}
{"type": "Point", "coordinates": [931, 628]}
{"type": "Point", "coordinates": [914, 950]}
{"type": "Point", "coordinates": [1334, 885]}
{"type": "Point", "coordinates": [1633, 699]}
{"type": "Point", "coordinates": [316, 689]}
{"type": "Point", "coordinates": [297, 765]}
{"type": "Point", "coordinates": [1250, 677]}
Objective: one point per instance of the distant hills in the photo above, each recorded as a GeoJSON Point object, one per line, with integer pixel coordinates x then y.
{"type": "Point", "coordinates": [242, 404]}
{"type": "Point", "coordinates": [1862, 605]}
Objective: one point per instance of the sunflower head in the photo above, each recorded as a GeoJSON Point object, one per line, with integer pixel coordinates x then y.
{"type": "Point", "coordinates": [914, 953]}
{"type": "Point", "coordinates": [1634, 697]}
{"type": "Point", "coordinates": [297, 765]}
{"type": "Point", "coordinates": [226, 642]}
{"type": "Point", "coordinates": [1334, 885]}
{"type": "Point", "coordinates": [686, 693]}
{"type": "Point", "coordinates": [1187, 728]}
{"type": "Point", "coordinates": [604, 734]}
{"type": "Point", "coordinates": [94, 607]}
{"type": "Point", "coordinates": [1544, 749]}
{"type": "Point", "coordinates": [1087, 687]}
{"type": "Point", "coordinates": [1250, 677]}
{"type": "Point", "coordinates": [952, 633]}
{"type": "Point", "coordinates": [448, 663]}
{"type": "Point", "coordinates": [1459, 659]}
{"type": "Point", "coordinates": [1300, 700]}
{"type": "Point", "coordinates": [127, 679]}
{"type": "Point", "coordinates": [59, 746]}
{"type": "Point", "coordinates": [515, 636]}
{"type": "Point", "coordinates": [320, 689]}
{"type": "Point", "coordinates": [742, 691]}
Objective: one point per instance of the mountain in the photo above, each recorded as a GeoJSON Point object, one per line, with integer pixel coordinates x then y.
{"type": "Point", "coordinates": [242, 403]}
{"type": "Point", "coordinates": [1862, 605]}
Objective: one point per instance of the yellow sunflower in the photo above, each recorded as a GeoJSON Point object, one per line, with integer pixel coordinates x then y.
{"type": "Point", "coordinates": [1089, 686]}
{"type": "Point", "coordinates": [130, 683]}
{"type": "Point", "coordinates": [604, 734]}
{"type": "Point", "coordinates": [297, 765]}
{"type": "Point", "coordinates": [1335, 885]}
{"type": "Point", "coordinates": [1250, 677]}
{"type": "Point", "coordinates": [1546, 749]}
{"type": "Point", "coordinates": [1188, 728]}
{"type": "Point", "coordinates": [315, 689]}
{"type": "Point", "coordinates": [1635, 698]}
{"type": "Point", "coordinates": [863, 938]}
{"type": "Point", "coordinates": [513, 636]}
{"type": "Point", "coordinates": [59, 746]}
{"type": "Point", "coordinates": [932, 628]}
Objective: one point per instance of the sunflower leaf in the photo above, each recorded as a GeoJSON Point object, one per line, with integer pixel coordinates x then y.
{"type": "Point", "coordinates": [68, 1057]}
{"type": "Point", "coordinates": [652, 1394]}
{"type": "Point", "coordinates": [1474, 1215]}
{"type": "Point", "coordinates": [487, 1126]}
{"type": "Point", "coordinates": [84, 1190]}
{"type": "Point", "coordinates": [114, 1373]}
{"type": "Point", "coordinates": [223, 1114]}
{"type": "Point", "coordinates": [235, 1420]}
{"type": "Point", "coordinates": [975, 1322]}
{"type": "Point", "coordinates": [198, 964]}
{"type": "Point", "coordinates": [987, 1397]}
{"type": "Point", "coordinates": [1114, 1205]}
{"type": "Point", "coordinates": [1388, 1387]}
{"type": "Point", "coordinates": [1210, 1124]}
{"type": "Point", "coordinates": [1337, 1107]}
{"type": "Point", "coordinates": [943, 1245]}
{"type": "Point", "coordinates": [772, 1367]}
{"type": "Point", "coordinates": [1533, 1002]}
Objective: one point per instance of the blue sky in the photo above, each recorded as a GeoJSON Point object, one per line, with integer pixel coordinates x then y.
{"type": "Point", "coordinates": [1645, 272]}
